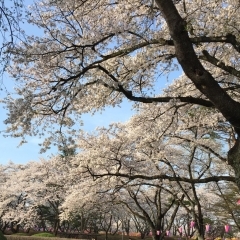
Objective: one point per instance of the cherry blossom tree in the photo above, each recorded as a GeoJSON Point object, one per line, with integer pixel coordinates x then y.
{"type": "Point", "coordinates": [109, 220]}
{"type": "Point", "coordinates": [225, 208]}
{"type": "Point", "coordinates": [183, 150]}
{"type": "Point", "coordinates": [155, 206]}
{"type": "Point", "coordinates": [3, 179]}
{"type": "Point", "coordinates": [113, 200]}
{"type": "Point", "coordinates": [153, 144]}
{"type": "Point", "coordinates": [14, 201]}
{"type": "Point", "coordinates": [147, 165]}
{"type": "Point", "coordinates": [84, 62]}
{"type": "Point", "coordinates": [34, 194]}
{"type": "Point", "coordinates": [141, 226]}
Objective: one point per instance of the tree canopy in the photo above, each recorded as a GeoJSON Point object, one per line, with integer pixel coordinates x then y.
{"type": "Point", "coordinates": [94, 54]}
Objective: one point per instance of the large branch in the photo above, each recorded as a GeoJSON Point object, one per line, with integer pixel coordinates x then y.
{"type": "Point", "coordinates": [188, 99]}
{"type": "Point", "coordinates": [229, 38]}
{"type": "Point", "coordinates": [128, 94]}
{"type": "Point", "coordinates": [163, 177]}
{"type": "Point", "coordinates": [218, 63]}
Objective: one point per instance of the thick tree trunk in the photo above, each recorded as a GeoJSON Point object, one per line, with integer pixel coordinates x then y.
{"type": "Point", "coordinates": [14, 227]}
{"type": "Point", "coordinates": [201, 78]}
{"type": "Point", "coordinates": [142, 235]}
{"type": "Point", "coordinates": [4, 226]}
{"type": "Point", "coordinates": [156, 236]}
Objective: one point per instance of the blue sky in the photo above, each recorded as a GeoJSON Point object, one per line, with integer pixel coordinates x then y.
{"type": "Point", "coordinates": [30, 151]}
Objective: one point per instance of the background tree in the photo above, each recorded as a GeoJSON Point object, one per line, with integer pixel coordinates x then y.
{"type": "Point", "coordinates": [149, 147]}
{"type": "Point", "coordinates": [43, 192]}
{"type": "Point", "coordinates": [226, 198]}
{"type": "Point", "coordinates": [109, 221]}
{"type": "Point", "coordinates": [142, 226]}
{"type": "Point", "coordinates": [14, 204]}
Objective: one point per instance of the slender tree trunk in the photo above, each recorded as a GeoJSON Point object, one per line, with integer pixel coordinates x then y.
{"type": "Point", "coordinates": [106, 235]}
{"type": "Point", "coordinates": [127, 227]}
{"type": "Point", "coordinates": [200, 229]}
{"type": "Point", "coordinates": [234, 160]}
{"type": "Point", "coordinates": [56, 225]}
{"type": "Point", "coordinates": [82, 222]}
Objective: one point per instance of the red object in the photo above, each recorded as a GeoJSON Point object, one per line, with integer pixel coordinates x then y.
{"type": "Point", "coordinates": [238, 202]}
{"type": "Point", "coordinates": [180, 229]}
{"type": "Point", "coordinates": [207, 228]}
{"type": "Point", "coordinates": [227, 228]}
{"type": "Point", "coordinates": [158, 232]}
{"type": "Point", "coordinates": [167, 233]}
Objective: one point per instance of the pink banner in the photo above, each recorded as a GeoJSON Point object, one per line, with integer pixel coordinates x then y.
{"type": "Point", "coordinates": [207, 228]}
{"type": "Point", "coordinates": [192, 224]}
{"type": "Point", "coordinates": [227, 228]}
